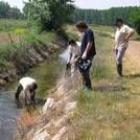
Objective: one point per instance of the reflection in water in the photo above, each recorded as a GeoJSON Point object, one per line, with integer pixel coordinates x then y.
{"type": "Point", "coordinates": [64, 55]}
{"type": "Point", "coordinates": [8, 115]}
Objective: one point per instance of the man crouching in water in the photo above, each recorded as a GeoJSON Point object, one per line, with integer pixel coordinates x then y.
{"type": "Point", "coordinates": [26, 90]}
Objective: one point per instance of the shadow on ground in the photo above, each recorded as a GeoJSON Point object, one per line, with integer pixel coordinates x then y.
{"type": "Point", "coordinates": [109, 88]}
{"type": "Point", "coordinates": [131, 76]}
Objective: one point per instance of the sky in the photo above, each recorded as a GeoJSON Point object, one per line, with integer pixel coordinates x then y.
{"type": "Point", "coordinates": [88, 4]}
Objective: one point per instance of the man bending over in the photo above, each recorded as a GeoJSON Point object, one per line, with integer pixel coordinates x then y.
{"type": "Point", "coordinates": [26, 89]}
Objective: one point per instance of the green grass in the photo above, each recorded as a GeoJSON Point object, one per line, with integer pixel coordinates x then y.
{"type": "Point", "coordinates": [104, 28]}
{"type": "Point", "coordinates": [46, 74]}
{"type": "Point", "coordinates": [111, 111]}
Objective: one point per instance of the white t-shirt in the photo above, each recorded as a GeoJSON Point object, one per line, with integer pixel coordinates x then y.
{"type": "Point", "coordinates": [27, 81]}
{"type": "Point", "coordinates": [75, 51]}
{"type": "Point", "coordinates": [120, 36]}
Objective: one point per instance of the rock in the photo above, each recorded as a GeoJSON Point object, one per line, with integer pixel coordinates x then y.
{"type": "Point", "coordinates": [61, 121]}
{"type": "Point", "coordinates": [70, 107]}
{"type": "Point", "coordinates": [60, 134]}
{"type": "Point", "coordinates": [42, 136]}
{"type": "Point", "coordinates": [49, 103]}
{"type": "Point", "coordinates": [2, 82]}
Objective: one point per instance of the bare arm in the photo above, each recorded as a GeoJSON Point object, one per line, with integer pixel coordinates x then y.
{"type": "Point", "coordinates": [129, 35]}
{"type": "Point", "coordinates": [88, 48]}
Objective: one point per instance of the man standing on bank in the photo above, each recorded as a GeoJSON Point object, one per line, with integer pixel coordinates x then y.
{"type": "Point", "coordinates": [88, 52]}
{"type": "Point", "coordinates": [122, 37]}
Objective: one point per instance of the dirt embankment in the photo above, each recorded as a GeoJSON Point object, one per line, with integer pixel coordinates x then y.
{"type": "Point", "coordinates": [133, 54]}
{"type": "Point", "coordinates": [25, 58]}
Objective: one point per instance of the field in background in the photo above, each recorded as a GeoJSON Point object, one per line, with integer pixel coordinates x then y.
{"type": "Point", "coordinates": [110, 31]}
{"type": "Point", "coordinates": [111, 111]}
{"type": "Point", "coordinates": [18, 33]}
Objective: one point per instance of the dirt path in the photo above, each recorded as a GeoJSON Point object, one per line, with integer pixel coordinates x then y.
{"type": "Point", "coordinates": [133, 55]}
{"type": "Point", "coordinates": [4, 38]}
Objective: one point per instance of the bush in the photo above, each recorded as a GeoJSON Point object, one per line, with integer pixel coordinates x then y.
{"type": "Point", "coordinates": [50, 14]}
{"type": "Point", "coordinates": [135, 19]}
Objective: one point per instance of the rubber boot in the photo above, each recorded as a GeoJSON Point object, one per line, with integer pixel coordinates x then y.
{"type": "Point", "coordinates": [119, 70]}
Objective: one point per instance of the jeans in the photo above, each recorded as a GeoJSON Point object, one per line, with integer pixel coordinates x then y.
{"type": "Point", "coordinates": [119, 55]}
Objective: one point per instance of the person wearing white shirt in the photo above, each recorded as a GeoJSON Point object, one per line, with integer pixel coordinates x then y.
{"type": "Point", "coordinates": [122, 37]}
{"type": "Point", "coordinates": [74, 54]}
{"type": "Point", "coordinates": [26, 88]}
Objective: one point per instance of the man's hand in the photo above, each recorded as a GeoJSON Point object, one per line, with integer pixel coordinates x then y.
{"type": "Point", "coordinates": [127, 39]}
{"type": "Point", "coordinates": [84, 56]}
{"type": "Point", "coordinates": [68, 66]}
{"type": "Point", "coordinates": [129, 35]}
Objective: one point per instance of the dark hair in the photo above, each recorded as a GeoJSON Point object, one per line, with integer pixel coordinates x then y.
{"type": "Point", "coordinates": [81, 24]}
{"type": "Point", "coordinates": [35, 86]}
{"type": "Point", "coordinates": [119, 20]}
{"type": "Point", "coordinates": [72, 41]}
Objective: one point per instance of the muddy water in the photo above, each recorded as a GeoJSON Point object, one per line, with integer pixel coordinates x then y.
{"type": "Point", "coordinates": [46, 74]}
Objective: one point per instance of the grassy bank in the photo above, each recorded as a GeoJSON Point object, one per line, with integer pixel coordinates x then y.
{"type": "Point", "coordinates": [18, 33]}
{"type": "Point", "coordinates": [111, 111]}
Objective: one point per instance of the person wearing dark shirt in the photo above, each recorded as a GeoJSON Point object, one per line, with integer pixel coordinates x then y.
{"type": "Point", "coordinates": [88, 51]}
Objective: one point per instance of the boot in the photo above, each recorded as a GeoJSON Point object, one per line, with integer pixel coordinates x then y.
{"type": "Point", "coordinates": [119, 70]}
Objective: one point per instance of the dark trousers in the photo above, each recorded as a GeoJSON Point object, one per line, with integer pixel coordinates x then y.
{"type": "Point", "coordinates": [86, 77]}
{"type": "Point", "coordinates": [19, 89]}
{"type": "Point", "coordinates": [32, 92]}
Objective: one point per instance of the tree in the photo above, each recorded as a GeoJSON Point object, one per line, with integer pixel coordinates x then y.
{"type": "Point", "coordinates": [51, 14]}
{"type": "Point", "coordinates": [14, 13]}
{"type": "Point", "coordinates": [4, 8]}
{"type": "Point", "coordinates": [8, 12]}
{"type": "Point", "coordinates": [26, 10]}
{"type": "Point", "coordinates": [135, 18]}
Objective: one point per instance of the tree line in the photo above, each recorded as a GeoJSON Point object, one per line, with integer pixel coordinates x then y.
{"type": "Point", "coordinates": [6, 11]}
{"type": "Point", "coordinates": [104, 17]}
{"type": "Point", "coordinates": [130, 15]}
